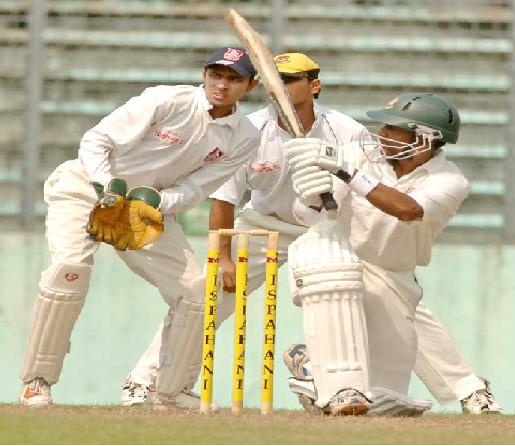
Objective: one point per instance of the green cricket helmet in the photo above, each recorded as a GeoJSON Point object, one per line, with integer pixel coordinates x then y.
{"type": "Point", "coordinates": [429, 116]}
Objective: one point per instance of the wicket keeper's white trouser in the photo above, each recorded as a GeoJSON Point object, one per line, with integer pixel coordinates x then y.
{"type": "Point", "coordinates": [169, 264]}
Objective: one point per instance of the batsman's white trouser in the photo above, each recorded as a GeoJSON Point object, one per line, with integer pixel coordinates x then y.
{"type": "Point", "coordinates": [439, 364]}
{"type": "Point", "coordinates": [390, 300]}
{"type": "Point", "coordinates": [169, 264]}
{"type": "Point", "coordinates": [145, 370]}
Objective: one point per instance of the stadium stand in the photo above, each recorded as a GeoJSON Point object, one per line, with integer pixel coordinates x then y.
{"type": "Point", "coordinates": [98, 54]}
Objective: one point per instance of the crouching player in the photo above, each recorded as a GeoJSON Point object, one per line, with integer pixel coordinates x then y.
{"type": "Point", "coordinates": [359, 292]}
{"type": "Point", "coordinates": [173, 146]}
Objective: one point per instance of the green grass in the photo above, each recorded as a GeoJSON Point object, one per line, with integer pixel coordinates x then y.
{"type": "Point", "coordinates": [116, 425]}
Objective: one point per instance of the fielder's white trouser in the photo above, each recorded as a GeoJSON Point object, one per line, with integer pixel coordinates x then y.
{"type": "Point", "coordinates": [145, 370]}
{"type": "Point", "coordinates": [169, 264]}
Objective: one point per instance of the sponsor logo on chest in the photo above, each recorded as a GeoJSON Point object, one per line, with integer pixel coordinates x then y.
{"type": "Point", "coordinates": [169, 136]}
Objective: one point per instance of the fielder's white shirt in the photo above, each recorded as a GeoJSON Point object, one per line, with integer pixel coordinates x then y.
{"type": "Point", "coordinates": [165, 138]}
{"type": "Point", "coordinates": [267, 174]}
{"type": "Point", "coordinates": [438, 186]}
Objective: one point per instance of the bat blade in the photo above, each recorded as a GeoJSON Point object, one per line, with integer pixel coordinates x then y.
{"type": "Point", "coordinates": [264, 63]}
{"type": "Point", "coordinates": [275, 89]}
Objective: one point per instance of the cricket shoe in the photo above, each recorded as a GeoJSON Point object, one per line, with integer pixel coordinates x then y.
{"type": "Point", "coordinates": [134, 394]}
{"type": "Point", "coordinates": [481, 402]}
{"type": "Point", "coordinates": [185, 400]}
{"type": "Point", "coordinates": [36, 393]}
{"type": "Point", "coordinates": [348, 402]}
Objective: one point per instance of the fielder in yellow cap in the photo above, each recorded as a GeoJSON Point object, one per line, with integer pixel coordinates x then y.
{"type": "Point", "coordinates": [296, 65]}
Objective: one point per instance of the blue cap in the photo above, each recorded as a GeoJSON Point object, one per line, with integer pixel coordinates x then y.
{"type": "Point", "coordinates": [236, 59]}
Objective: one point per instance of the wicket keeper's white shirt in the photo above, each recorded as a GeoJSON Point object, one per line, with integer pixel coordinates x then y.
{"type": "Point", "coordinates": [267, 174]}
{"type": "Point", "coordinates": [378, 238]}
{"type": "Point", "coordinates": [165, 138]}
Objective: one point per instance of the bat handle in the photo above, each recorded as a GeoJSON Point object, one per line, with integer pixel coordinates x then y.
{"type": "Point", "coordinates": [330, 204]}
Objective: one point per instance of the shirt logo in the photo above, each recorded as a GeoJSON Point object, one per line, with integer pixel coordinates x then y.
{"type": "Point", "coordinates": [233, 54]}
{"type": "Point", "coordinates": [71, 277]}
{"type": "Point", "coordinates": [265, 166]}
{"type": "Point", "coordinates": [170, 136]}
{"type": "Point", "coordinates": [213, 155]}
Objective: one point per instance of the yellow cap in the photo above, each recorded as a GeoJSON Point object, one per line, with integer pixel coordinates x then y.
{"type": "Point", "coordinates": [295, 64]}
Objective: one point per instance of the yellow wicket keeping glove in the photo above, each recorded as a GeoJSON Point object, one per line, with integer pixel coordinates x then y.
{"type": "Point", "coordinates": [107, 210]}
{"type": "Point", "coordinates": [140, 222]}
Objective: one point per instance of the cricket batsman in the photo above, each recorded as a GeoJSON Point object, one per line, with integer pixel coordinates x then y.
{"type": "Point", "coordinates": [398, 191]}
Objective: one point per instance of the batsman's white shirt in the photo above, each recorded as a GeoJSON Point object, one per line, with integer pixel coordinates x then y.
{"type": "Point", "coordinates": [267, 174]}
{"type": "Point", "coordinates": [165, 138]}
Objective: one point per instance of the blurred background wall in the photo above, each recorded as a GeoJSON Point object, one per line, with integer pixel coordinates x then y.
{"type": "Point", "coordinates": [64, 64]}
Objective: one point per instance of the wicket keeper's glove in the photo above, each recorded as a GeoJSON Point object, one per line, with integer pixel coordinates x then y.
{"type": "Point", "coordinates": [107, 210]}
{"type": "Point", "coordinates": [140, 222]}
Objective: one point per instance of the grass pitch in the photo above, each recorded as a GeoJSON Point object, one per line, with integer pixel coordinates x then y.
{"type": "Point", "coordinates": [116, 425]}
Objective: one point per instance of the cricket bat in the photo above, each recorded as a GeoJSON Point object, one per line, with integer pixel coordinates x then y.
{"type": "Point", "coordinates": [275, 89]}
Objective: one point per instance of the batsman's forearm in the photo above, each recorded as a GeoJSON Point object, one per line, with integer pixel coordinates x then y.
{"type": "Point", "coordinates": [395, 203]}
{"type": "Point", "coordinates": [221, 216]}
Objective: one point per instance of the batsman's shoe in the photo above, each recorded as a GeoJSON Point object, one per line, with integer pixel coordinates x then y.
{"type": "Point", "coordinates": [36, 393]}
{"type": "Point", "coordinates": [186, 400]}
{"type": "Point", "coordinates": [348, 402]}
{"type": "Point", "coordinates": [481, 402]}
{"type": "Point", "coordinates": [134, 394]}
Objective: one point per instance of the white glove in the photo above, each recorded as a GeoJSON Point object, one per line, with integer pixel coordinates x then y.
{"type": "Point", "coordinates": [309, 183]}
{"type": "Point", "coordinates": [331, 158]}
{"type": "Point", "coordinates": [305, 152]}
{"type": "Point", "coordinates": [302, 152]}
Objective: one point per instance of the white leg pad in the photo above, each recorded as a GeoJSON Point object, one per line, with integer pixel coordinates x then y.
{"type": "Point", "coordinates": [329, 283]}
{"type": "Point", "coordinates": [62, 292]}
{"type": "Point", "coordinates": [181, 349]}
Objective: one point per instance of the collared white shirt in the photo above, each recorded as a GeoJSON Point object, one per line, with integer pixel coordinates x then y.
{"type": "Point", "coordinates": [165, 138]}
{"type": "Point", "coordinates": [267, 174]}
{"type": "Point", "coordinates": [438, 186]}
